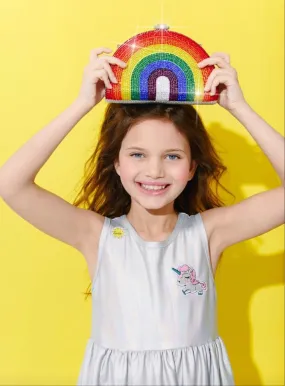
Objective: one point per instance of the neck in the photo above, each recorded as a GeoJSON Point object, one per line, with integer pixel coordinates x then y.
{"type": "Point", "coordinates": [152, 224]}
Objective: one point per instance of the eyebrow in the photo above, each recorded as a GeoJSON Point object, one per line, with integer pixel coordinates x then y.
{"type": "Point", "coordinates": [140, 148]}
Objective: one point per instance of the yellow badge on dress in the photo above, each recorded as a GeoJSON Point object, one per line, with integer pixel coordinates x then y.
{"type": "Point", "coordinates": [118, 232]}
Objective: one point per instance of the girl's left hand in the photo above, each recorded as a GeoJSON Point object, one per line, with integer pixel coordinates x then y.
{"type": "Point", "coordinates": [225, 79]}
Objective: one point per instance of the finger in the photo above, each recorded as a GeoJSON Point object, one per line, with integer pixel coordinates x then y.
{"type": "Point", "coordinates": [106, 80]}
{"type": "Point", "coordinates": [100, 63]}
{"type": "Point", "coordinates": [213, 74]}
{"type": "Point", "coordinates": [220, 62]}
{"type": "Point", "coordinates": [114, 60]}
{"type": "Point", "coordinates": [110, 72]}
{"type": "Point", "coordinates": [102, 74]}
{"type": "Point", "coordinates": [221, 79]}
{"type": "Point", "coordinates": [223, 55]}
{"type": "Point", "coordinates": [97, 63]}
{"type": "Point", "coordinates": [97, 51]}
{"type": "Point", "coordinates": [218, 72]}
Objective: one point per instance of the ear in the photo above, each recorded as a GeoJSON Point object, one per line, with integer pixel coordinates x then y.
{"type": "Point", "coordinates": [192, 169]}
{"type": "Point", "coordinates": [117, 166]}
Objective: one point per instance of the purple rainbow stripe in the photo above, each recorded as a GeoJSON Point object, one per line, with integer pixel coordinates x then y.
{"type": "Point", "coordinates": [174, 70]}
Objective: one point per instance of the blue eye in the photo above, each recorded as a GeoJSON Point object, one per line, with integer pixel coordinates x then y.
{"type": "Point", "coordinates": [174, 155]}
{"type": "Point", "coordinates": [135, 154]}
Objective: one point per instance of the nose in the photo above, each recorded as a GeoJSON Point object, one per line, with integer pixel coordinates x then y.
{"type": "Point", "coordinates": [154, 168]}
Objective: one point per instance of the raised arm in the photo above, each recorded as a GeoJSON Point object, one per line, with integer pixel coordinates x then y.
{"type": "Point", "coordinates": [43, 209]}
{"type": "Point", "coordinates": [261, 212]}
{"type": "Point", "coordinates": [21, 168]}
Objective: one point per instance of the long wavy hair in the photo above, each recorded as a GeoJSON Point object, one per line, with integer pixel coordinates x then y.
{"type": "Point", "coordinates": [102, 190]}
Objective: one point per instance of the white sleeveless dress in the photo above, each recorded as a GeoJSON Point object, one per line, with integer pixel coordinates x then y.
{"type": "Point", "coordinates": [154, 310]}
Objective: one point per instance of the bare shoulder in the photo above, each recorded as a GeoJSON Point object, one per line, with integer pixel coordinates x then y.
{"type": "Point", "coordinates": [89, 244]}
{"type": "Point", "coordinates": [251, 217]}
{"type": "Point", "coordinates": [95, 222]}
{"type": "Point", "coordinates": [211, 218]}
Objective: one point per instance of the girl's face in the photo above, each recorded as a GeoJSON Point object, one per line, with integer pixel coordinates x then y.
{"type": "Point", "coordinates": [154, 163]}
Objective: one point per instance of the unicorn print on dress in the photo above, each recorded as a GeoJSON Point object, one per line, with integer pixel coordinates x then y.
{"type": "Point", "coordinates": [187, 280]}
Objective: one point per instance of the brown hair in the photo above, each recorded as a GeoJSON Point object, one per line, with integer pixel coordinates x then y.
{"type": "Point", "coordinates": [102, 190]}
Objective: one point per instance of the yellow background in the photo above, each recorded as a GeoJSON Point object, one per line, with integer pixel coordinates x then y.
{"type": "Point", "coordinates": [45, 321]}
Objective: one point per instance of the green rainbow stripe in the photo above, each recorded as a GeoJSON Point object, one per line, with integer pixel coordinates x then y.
{"type": "Point", "coordinates": [136, 75]}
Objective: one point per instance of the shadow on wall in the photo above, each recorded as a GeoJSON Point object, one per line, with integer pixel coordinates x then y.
{"type": "Point", "coordinates": [242, 270]}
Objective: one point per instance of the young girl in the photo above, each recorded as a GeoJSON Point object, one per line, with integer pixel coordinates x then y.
{"type": "Point", "coordinates": [153, 230]}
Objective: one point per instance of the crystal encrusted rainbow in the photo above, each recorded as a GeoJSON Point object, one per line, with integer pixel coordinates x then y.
{"type": "Point", "coordinates": [162, 67]}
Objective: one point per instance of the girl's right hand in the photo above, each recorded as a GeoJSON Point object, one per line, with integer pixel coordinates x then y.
{"type": "Point", "coordinates": [97, 76]}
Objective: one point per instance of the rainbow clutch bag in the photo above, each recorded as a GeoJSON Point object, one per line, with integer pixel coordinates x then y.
{"type": "Point", "coordinates": [161, 67]}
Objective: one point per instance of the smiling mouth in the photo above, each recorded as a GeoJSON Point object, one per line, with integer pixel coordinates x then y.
{"type": "Point", "coordinates": [153, 187]}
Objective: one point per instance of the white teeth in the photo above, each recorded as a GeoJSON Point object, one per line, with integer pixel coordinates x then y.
{"type": "Point", "coordinates": [152, 187]}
